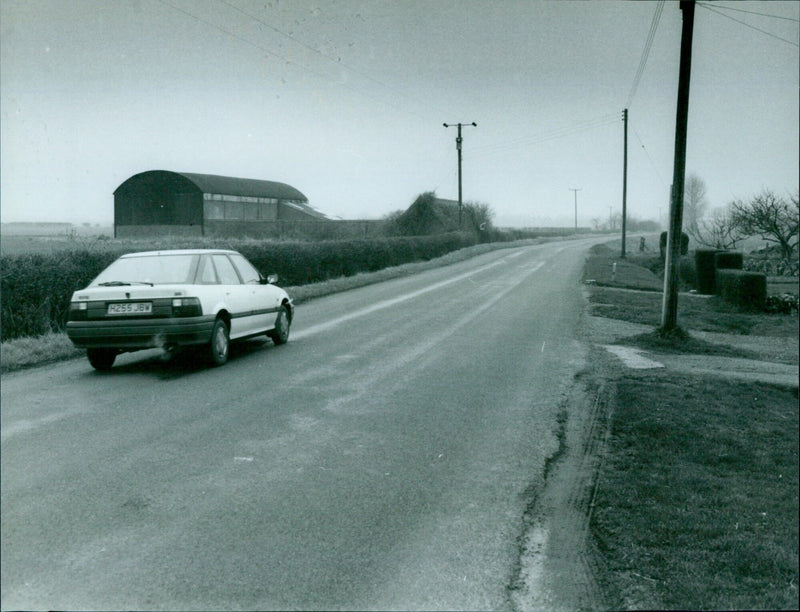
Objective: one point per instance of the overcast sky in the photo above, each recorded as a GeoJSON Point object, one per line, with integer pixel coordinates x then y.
{"type": "Point", "coordinates": [345, 101]}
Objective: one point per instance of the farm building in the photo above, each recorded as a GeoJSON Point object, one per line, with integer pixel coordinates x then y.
{"type": "Point", "coordinates": [181, 203]}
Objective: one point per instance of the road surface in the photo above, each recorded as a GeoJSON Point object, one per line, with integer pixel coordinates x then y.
{"type": "Point", "coordinates": [384, 458]}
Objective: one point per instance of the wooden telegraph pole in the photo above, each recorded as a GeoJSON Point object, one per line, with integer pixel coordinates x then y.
{"type": "Point", "coordinates": [459, 140]}
{"type": "Point", "coordinates": [624, 181]}
{"type": "Point", "coordinates": [669, 313]}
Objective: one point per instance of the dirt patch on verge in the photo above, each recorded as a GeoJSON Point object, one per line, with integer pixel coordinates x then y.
{"type": "Point", "coordinates": [557, 563]}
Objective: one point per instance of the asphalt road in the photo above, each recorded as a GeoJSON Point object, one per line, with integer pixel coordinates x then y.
{"type": "Point", "coordinates": [384, 458]}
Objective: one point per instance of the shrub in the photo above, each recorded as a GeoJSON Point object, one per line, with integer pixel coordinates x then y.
{"type": "Point", "coordinates": [781, 304]}
{"type": "Point", "coordinates": [706, 270]}
{"type": "Point", "coordinates": [687, 272]}
{"type": "Point", "coordinates": [728, 260]}
{"type": "Point", "coordinates": [662, 244]}
{"type": "Point", "coordinates": [746, 290]}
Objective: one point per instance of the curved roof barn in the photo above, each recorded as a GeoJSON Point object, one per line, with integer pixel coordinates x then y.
{"type": "Point", "coordinates": [162, 201]}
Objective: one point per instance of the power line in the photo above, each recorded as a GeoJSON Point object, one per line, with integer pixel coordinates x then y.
{"type": "Point", "coordinates": [646, 152]}
{"type": "Point", "coordinates": [646, 51]}
{"type": "Point", "coordinates": [730, 8]}
{"type": "Point", "coordinates": [336, 62]}
{"type": "Point", "coordinates": [284, 58]}
{"type": "Point", "coordinates": [555, 133]}
{"type": "Point", "coordinates": [744, 23]}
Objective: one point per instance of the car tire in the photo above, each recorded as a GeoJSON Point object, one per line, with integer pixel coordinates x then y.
{"type": "Point", "coordinates": [101, 359]}
{"type": "Point", "coordinates": [280, 335]}
{"type": "Point", "coordinates": [220, 344]}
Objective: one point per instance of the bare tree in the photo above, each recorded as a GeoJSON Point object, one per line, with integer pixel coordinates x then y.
{"type": "Point", "coordinates": [719, 230]}
{"type": "Point", "coordinates": [773, 218]}
{"type": "Point", "coordinates": [695, 204]}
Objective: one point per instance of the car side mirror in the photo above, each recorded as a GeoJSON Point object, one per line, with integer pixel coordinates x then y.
{"type": "Point", "coordinates": [269, 280]}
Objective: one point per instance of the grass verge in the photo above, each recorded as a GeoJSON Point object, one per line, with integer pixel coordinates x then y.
{"type": "Point", "coordinates": [694, 312]}
{"type": "Point", "coordinates": [697, 499]}
{"type": "Point", "coordinates": [698, 496]}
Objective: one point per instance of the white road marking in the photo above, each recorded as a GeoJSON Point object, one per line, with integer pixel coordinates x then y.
{"type": "Point", "coordinates": [320, 327]}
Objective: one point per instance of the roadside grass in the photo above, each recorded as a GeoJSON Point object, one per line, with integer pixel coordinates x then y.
{"type": "Point", "coordinates": [26, 352]}
{"type": "Point", "coordinates": [697, 499]}
{"type": "Point", "coordinates": [698, 495]}
{"type": "Point", "coordinates": [695, 312]}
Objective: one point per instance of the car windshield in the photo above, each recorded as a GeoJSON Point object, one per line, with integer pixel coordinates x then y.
{"type": "Point", "coordinates": [148, 269]}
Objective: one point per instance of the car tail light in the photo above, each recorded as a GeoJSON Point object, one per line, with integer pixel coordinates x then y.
{"type": "Point", "coordinates": [186, 307]}
{"type": "Point", "coordinates": [78, 310]}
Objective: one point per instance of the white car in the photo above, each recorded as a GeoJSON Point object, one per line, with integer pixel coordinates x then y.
{"type": "Point", "coordinates": [170, 299]}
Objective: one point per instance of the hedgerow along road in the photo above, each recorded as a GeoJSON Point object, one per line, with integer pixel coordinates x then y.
{"type": "Point", "coordinates": [383, 458]}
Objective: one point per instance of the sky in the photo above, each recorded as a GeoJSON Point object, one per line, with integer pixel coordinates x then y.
{"type": "Point", "coordinates": [346, 101]}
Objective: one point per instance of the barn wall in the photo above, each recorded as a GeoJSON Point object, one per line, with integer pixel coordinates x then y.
{"type": "Point", "coordinates": [158, 208]}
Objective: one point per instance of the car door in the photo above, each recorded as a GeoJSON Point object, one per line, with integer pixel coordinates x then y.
{"type": "Point", "coordinates": [264, 299]}
{"type": "Point", "coordinates": [236, 295]}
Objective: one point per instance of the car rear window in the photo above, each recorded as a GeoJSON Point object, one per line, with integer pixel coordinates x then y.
{"type": "Point", "coordinates": [150, 269]}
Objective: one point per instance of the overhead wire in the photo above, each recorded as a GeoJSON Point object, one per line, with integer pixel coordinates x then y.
{"type": "Point", "coordinates": [337, 62]}
{"type": "Point", "coordinates": [738, 10]}
{"type": "Point", "coordinates": [646, 51]}
{"type": "Point", "coordinates": [562, 132]}
{"type": "Point", "coordinates": [744, 23]}
{"type": "Point", "coordinates": [286, 59]}
{"type": "Point", "coordinates": [647, 153]}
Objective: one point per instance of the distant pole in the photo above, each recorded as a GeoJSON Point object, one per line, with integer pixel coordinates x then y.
{"type": "Point", "coordinates": [669, 313]}
{"type": "Point", "coordinates": [624, 181]}
{"type": "Point", "coordinates": [575, 193]}
{"type": "Point", "coordinates": [459, 140]}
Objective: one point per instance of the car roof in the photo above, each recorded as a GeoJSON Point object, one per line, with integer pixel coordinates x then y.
{"type": "Point", "coordinates": [178, 252]}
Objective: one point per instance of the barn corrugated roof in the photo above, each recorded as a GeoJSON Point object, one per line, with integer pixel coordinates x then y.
{"type": "Point", "coordinates": [212, 183]}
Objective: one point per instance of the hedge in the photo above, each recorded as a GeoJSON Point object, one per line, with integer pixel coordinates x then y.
{"type": "Point", "coordinates": [728, 260]}
{"type": "Point", "coordinates": [708, 261]}
{"type": "Point", "coordinates": [706, 270]}
{"type": "Point", "coordinates": [746, 290]}
{"type": "Point", "coordinates": [36, 289]}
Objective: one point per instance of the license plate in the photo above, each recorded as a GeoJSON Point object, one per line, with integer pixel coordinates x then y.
{"type": "Point", "coordinates": [130, 308]}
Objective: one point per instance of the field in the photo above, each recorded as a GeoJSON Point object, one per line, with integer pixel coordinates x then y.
{"type": "Point", "coordinates": [28, 238]}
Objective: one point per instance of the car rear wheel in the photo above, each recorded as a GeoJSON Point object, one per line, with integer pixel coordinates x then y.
{"type": "Point", "coordinates": [220, 343]}
{"type": "Point", "coordinates": [101, 359]}
{"type": "Point", "coordinates": [280, 335]}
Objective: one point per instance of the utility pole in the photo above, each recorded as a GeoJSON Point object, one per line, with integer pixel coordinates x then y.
{"type": "Point", "coordinates": [669, 313]}
{"type": "Point", "coordinates": [575, 193]}
{"type": "Point", "coordinates": [459, 140]}
{"type": "Point", "coordinates": [624, 182]}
